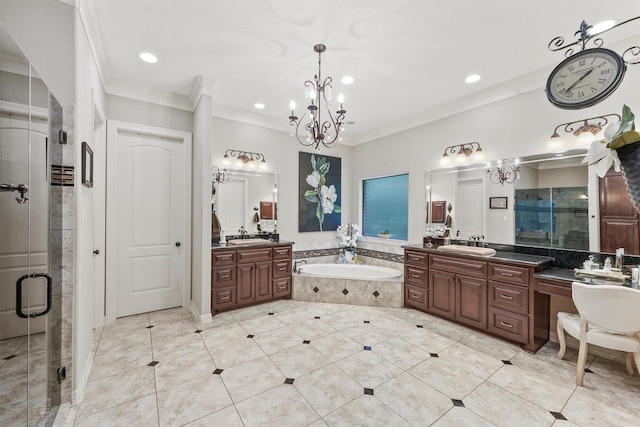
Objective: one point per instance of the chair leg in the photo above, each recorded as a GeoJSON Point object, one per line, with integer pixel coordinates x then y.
{"type": "Point", "coordinates": [630, 363]}
{"type": "Point", "coordinates": [636, 357]}
{"type": "Point", "coordinates": [561, 340]}
{"type": "Point", "coordinates": [582, 352]}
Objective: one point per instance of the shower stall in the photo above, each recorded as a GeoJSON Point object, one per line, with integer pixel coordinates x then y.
{"type": "Point", "coordinates": [31, 369]}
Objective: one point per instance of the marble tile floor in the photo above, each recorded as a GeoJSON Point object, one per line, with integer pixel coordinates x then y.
{"type": "Point", "coordinates": [291, 363]}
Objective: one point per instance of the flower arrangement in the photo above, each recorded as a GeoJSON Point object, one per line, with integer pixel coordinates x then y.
{"type": "Point", "coordinates": [617, 135]}
{"type": "Point", "coordinates": [324, 196]}
{"type": "Point", "coordinates": [348, 236]}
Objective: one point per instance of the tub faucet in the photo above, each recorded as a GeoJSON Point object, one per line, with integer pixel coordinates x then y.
{"type": "Point", "coordinates": [295, 265]}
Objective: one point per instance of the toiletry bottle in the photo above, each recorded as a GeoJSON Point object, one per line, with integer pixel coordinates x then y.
{"type": "Point", "coordinates": [619, 258]}
{"type": "Point", "coordinates": [607, 264]}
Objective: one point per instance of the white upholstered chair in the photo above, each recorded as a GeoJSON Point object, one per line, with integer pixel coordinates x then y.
{"type": "Point", "coordinates": [609, 317]}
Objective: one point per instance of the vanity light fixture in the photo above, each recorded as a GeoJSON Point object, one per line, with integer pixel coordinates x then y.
{"type": "Point", "coordinates": [505, 173]}
{"type": "Point", "coordinates": [462, 152]}
{"type": "Point", "coordinates": [244, 157]}
{"type": "Point", "coordinates": [318, 131]}
{"type": "Point", "coordinates": [583, 129]}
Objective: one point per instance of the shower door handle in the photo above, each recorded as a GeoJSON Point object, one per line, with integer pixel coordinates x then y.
{"type": "Point", "coordinates": [19, 295]}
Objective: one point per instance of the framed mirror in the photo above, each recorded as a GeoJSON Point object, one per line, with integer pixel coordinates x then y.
{"type": "Point", "coordinates": [245, 200]}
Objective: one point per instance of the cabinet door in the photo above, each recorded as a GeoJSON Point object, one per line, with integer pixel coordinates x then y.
{"type": "Point", "coordinates": [245, 283]}
{"type": "Point", "coordinates": [263, 280]}
{"type": "Point", "coordinates": [471, 301]}
{"type": "Point", "coordinates": [442, 293]}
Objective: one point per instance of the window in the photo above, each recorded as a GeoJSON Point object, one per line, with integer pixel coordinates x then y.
{"type": "Point", "coordinates": [385, 206]}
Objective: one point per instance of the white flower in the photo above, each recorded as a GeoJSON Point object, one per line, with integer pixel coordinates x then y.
{"type": "Point", "coordinates": [601, 157]}
{"type": "Point", "coordinates": [327, 197]}
{"type": "Point", "coordinates": [314, 179]}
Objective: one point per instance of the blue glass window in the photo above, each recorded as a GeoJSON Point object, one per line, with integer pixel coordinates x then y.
{"type": "Point", "coordinates": [385, 206]}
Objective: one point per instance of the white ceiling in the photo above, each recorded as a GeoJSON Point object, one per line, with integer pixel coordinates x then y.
{"type": "Point", "coordinates": [409, 58]}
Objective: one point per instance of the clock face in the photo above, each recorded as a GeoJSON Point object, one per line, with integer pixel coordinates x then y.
{"type": "Point", "coordinates": [586, 78]}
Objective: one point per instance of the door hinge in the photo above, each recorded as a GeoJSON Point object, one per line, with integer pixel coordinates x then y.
{"type": "Point", "coordinates": [61, 374]}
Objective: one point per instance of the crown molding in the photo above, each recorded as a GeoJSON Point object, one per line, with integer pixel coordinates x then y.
{"type": "Point", "coordinates": [201, 86]}
{"type": "Point", "coordinates": [153, 96]}
{"type": "Point", "coordinates": [15, 64]}
{"type": "Point", "coordinates": [87, 14]}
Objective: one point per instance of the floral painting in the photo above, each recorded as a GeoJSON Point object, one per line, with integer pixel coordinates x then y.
{"type": "Point", "coordinates": [319, 192]}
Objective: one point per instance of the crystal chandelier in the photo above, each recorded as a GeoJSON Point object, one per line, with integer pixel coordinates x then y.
{"type": "Point", "coordinates": [326, 132]}
{"type": "Point", "coordinates": [504, 173]}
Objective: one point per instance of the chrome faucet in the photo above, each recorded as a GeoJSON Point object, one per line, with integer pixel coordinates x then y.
{"type": "Point", "coordinates": [475, 240]}
{"type": "Point", "coordinates": [295, 265]}
{"type": "Point", "coordinates": [242, 232]}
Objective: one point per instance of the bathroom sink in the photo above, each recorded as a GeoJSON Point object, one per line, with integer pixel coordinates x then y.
{"type": "Point", "coordinates": [243, 242]}
{"type": "Point", "coordinates": [468, 250]}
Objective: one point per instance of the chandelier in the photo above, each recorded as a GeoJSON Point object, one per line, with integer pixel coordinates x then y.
{"type": "Point", "coordinates": [318, 131]}
{"type": "Point", "coordinates": [220, 176]}
{"type": "Point", "coordinates": [504, 173]}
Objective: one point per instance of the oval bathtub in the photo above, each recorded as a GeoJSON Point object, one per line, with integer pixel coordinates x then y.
{"type": "Point", "coordinates": [350, 271]}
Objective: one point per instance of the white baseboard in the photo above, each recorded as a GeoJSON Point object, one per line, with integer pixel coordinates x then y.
{"type": "Point", "coordinates": [77, 394]}
{"type": "Point", "coordinates": [201, 318]}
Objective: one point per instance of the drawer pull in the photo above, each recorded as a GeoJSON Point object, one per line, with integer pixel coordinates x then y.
{"type": "Point", "coordinates": [224, 298]}
{"type": "Point", "coordinates": [415, 275]}
{"type": "Point", "coordinates": [506, 325]}
{"type": "Point", "coordinates": [506, 274]}
{"type": "Point", "coordinates": [506, 297]}
{"type": "Point", "coordinates": [282, 267]}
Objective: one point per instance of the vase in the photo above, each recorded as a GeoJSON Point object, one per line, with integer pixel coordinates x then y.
{"type": "Point", "coordinates": [629, 156]}
{"type": "Point", "coordinates": [348, 256]}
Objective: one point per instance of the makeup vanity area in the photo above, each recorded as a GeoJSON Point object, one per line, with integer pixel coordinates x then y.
{"type": "Point", "coordinates": [514, 293]}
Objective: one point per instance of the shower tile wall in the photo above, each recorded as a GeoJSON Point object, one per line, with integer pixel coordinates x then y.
{"type": "Point", "coordinates": [62, 243]}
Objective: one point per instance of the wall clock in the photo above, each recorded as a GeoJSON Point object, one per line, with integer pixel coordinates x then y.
{"type": "Point", "coordinates": [585, 78]}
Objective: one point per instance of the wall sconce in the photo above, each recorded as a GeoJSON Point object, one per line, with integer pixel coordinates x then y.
{"type": "Point", "coordinates": [462, 152]}
{"type": "Point", "coordinates": [220, 176]}
{"type": "Point", "coordinates": [244, 158]}
{"type": "Point", "coordinates": [505, 172]}
{"type": "Point", "coordinates": [584, 129]}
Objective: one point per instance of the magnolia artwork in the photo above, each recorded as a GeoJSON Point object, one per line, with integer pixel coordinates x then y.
{"type": "Point", "coordinates": [319, 192]}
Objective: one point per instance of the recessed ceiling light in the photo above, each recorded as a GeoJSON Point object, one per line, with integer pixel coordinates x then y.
{"type": "Point", "coordinates": [472, 78]}
{"type": "Point", "coordinates": [602, 26]}
{"type": "Point", "coordinates": [259, 105]}
{"type": "Point", "coordinates": [148, 57]}
{"type": "Point", "coordinates": [346, 80]}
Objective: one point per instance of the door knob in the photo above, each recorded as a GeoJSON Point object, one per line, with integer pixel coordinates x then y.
{"type": "Point", "coordinates": [177, 244]}
{"type": "Point", "coordinates": [96, 252]}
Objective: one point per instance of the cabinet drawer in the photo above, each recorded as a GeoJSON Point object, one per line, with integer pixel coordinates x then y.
{"type": "Point", "coordinates": [509, 297]}
{"type": "Point", "coordinates": [415, 297]}
{"type": "Point", "coordinates": [416, 258]}
{"type": "Point", "coordinates": [509, 273]}
{"type": "Point", "coordinates": [223, 276]}
{"type": "Point", "coordinates": [281, 269]}
{"type": "Point", "coordinates": [223, 298]}
{"type": "Point", "coordinates": [465, 266]}
{"type": "Point", "coordinates": [253, 255]}
{"type": "Point", "coordinates": [282, 252]}
{"type": "Point", "coordinates": [282, 287]}
{"type": "Point", "coordinates": [416, 276]}
{"type": "Point", "coordinates": [511, 326]}
{"type": "Point", "coordinates": [220, 258]}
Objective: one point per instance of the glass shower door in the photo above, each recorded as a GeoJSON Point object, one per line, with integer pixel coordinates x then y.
{"type": "Point", "coordinates": [25, 285]}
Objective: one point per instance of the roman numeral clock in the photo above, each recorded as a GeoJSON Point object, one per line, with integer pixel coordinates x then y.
{"type": "Point", "coordinates": [589, 76]}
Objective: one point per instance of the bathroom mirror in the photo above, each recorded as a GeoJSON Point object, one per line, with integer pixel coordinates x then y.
{"type": "Point", "coordinates": [548, 206]}
{"type": "Point", "coordinates": [237, 196]}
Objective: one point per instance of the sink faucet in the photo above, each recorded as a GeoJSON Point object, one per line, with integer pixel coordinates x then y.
{"type": "Point", "coordinates": [475, 240]}
{"type": "Point", "coordinates": [295, 265]}
{"type": "Point", "coordinates": [243, 232]}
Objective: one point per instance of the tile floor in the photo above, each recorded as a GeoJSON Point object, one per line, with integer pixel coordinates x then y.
{"type": "Point", "coordinates": [290, 363]}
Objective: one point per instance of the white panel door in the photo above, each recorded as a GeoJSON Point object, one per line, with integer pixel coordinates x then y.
{"type": "Point", "coordinates": [469, 210]}
{"type": "Point", "coordinates": [149, 203]}
{"type": "Point", "coordinates": [232, 205]}
{"type": "Point", "coordinates": [20, 255]}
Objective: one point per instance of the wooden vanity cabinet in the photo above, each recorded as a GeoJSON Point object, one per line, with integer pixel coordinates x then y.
{"type": "Point", "coordinates": [247, 276]}
{"type": "Point", "coordinates": [496, 296]}
{"type": "Point", "coordinates": [458, 290]}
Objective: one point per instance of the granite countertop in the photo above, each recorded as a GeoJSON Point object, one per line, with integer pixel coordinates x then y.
{"type": "Point", "coordinates": [267, 243]}
{"type": "Point", "coordinates": [534, 260]}
{"type": "Point", "coordinates": [558, 274]}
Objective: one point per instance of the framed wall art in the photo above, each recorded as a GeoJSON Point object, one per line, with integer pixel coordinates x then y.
{"type": "Point", "coordinates": [498, 202]}
{"type": "Point", "coordinates": [319, 186]}
{"type": "Point", "coordinates": [87, 165]}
